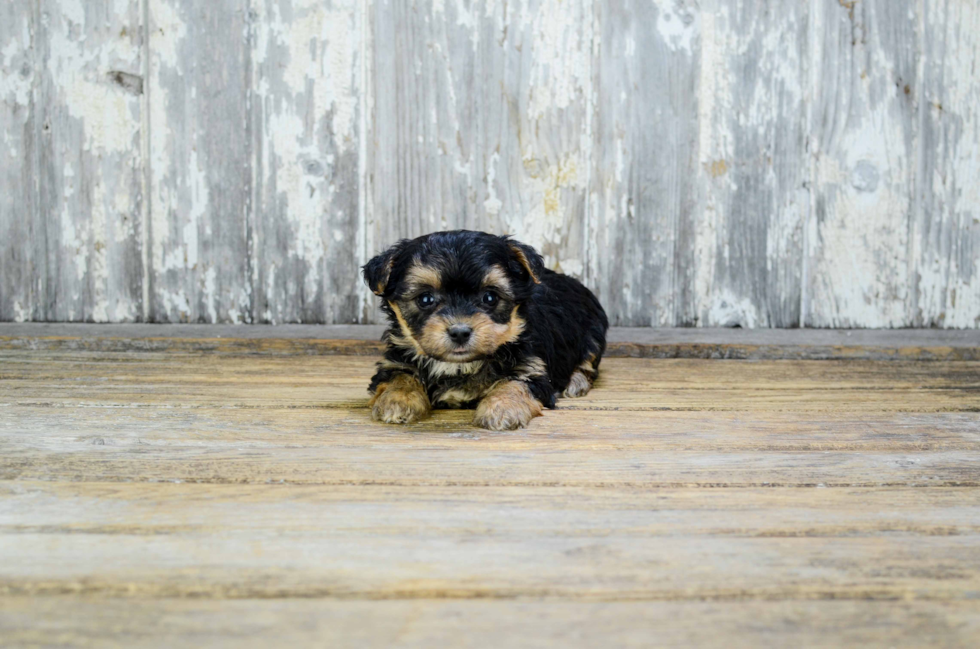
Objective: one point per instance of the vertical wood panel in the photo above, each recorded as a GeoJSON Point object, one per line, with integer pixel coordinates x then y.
{"type": "Point", "coordinates": [478, 119]}
{"type": "Point", "coordinates": [200, 161]}
{"type": "Point", "coordinates": [761, 163]}
{"type": "Point", "coordinates": [305, 111]}
{"type": "Point", "coordinates": [864, 137]}
{"type": "Point", "coordinates": [645, 136]}
{"type": "Point", "coordinates": [89, 160]}
{"type": "Point", "coordinates": [946, 234]}
{"type": "Point", "coordinates": [21, 264]}
{"type": "Point", "coordinates": [753, 168]}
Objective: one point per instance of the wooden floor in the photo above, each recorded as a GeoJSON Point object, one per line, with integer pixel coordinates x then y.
{"type": "Point", "coordinates": [241, 496]}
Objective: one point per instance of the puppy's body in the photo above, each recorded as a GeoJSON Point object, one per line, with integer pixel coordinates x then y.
{"type": "Point", "coordinates": [478, 322]}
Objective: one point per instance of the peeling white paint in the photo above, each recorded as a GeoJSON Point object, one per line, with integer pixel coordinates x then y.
{"type": "Point", "coordinates": [677, 23]}
{"type": "Point", "coordinates": [492, 204]}
{"type": "Point", "coordinates": [859, 275]}
{"type": "Point", "coordinates": [560, 72]}
{"type": "Point", "coordinates": [532, 165]}
{"type": "Point", "coordinates": [167, 33]}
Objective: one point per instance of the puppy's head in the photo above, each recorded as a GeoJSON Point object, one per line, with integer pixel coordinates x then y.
{"type": "Point", "coordinates": [455, 296]}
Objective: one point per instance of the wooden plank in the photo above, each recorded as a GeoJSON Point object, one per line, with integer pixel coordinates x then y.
{"type": "Point", "coordinates": [21, 243]}
{"type": "Point", "coordinates": [477, 624]}
{"type": "Point", "coordinates": [643, 189]}
{"type": "Point", "coordinates": [865, 82]}
{"type": "Point", "coordinates": [946, 228]}
{"type": "Point", "coordinates": [626, 384]}
{"type": "Point", "coordinates": [199, 73]}
{"type": "Point", "coordinates": [753, 166]}
{"type": "Point", "coordinates": [369, 543]}
{"type": "Point", "coordinates": [478, 119]}
{"type": "Point", "coordinates": [62, 428]}
{"type": "Point", "coordinates": [90, 167]}
{"type": "Point", "coordinates": [177, 443]}
{"type": "Point", "coordinates": [304, 105]}
{"type": "Point", "coordinates": [745, 344]}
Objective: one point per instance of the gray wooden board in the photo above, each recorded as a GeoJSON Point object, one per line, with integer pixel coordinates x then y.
{"type": "Point", "coordinates": [643, 188]}
{"type": "Point", "coordinates": [87, 219]}
{"type": "Point", "coordinates": [946, 232]}
{"type": "Point", "coordinates": [721, 336]}
{"type": "Point", "coordinates": [21, 255]}
{"type": "Point", "coordinates": [773, 163]}
{"type": "Point", "coordinates": [200, 163]}
{"type": "Point", "coordinates": [815, 344]}
{"type": "Point", "coordinates": [866, 69]}
{"type": "Point", "coordinates": [752, 164]}
{"type": "Point", "coordinates": [304, 116]}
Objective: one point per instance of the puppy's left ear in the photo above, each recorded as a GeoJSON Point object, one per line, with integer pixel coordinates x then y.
{"type": "Point", "coordinates": [377, 272]}
{"type": "Point", "coordinates": [527, 258]}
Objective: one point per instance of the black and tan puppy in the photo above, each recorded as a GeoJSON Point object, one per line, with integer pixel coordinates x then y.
{"type": "Point", "coordinates": [477, 321]}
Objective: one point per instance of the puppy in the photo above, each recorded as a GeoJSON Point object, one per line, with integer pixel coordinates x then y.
{"type": "Point", "coordinates": [477, 321]}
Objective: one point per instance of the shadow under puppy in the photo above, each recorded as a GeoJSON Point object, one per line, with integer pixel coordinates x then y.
{"type": "Point", "coordinates": [477, 321]}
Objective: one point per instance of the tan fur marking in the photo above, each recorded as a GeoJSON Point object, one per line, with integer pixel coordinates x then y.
{"type": "Point", "coordinates": [578, 386]}
{"type": "Point", "coordinates": [400, 401]}
{"type": "Point", "coordinates": [486, 338]}
{"type": "Point", "coordinates": [525, 263]}
{"type": "Point", "coordinates": [456, 397]}
{"type": "Point", "coordinates": [406, 331]}
{"type": "Point", "coordinates": [508, 405]}
{"type": "Point", "coordinates": [383, 282]}
{"type": "Point", "coordinates": [392, 365]}
{"type": "Point", "coordinates": [588, 367]}
{"type": "Point", "coordinates": [530, 368]}
{"type": "Point", "coordinates": [497, 278]}
{"type": "Point", "coordinates": [419, 276]}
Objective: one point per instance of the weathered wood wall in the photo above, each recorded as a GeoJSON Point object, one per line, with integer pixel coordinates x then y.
{"type": "Point", "coordinates": [768, 163]}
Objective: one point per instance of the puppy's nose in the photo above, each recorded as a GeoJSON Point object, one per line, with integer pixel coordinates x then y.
{"type": "Point", "coordinates": [460, 333]}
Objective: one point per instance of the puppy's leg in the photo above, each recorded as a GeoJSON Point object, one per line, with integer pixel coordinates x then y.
{"type": "Point", "coordinates": [401, 400]}
{"type": "Point", "coordinates": [508, 405]}
{"type": "Point", "coordinates": [582, 379]}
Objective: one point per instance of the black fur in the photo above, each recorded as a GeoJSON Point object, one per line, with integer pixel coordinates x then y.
{"type": "Point", "coordinates": [564, 324]}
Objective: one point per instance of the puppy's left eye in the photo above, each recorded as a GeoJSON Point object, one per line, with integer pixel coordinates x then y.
{"type": "Point", "coordinates": [426, 300]}
{"type": "Point", "coordinates": [490, 298]}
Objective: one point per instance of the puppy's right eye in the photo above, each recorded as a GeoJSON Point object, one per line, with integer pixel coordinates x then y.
{"type": "Point", "coordinates": [425, 300]}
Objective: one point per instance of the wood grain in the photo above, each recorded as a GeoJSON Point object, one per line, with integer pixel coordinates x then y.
{"type": "Point", "coordinates": [753, 169]}
{"type": "Point", "coordinates": [303, 106]}
{"type": "Point", "coordinates": [945, 233]}
{"type": "Point", "coordinates": [866, 71]}
{"type": "Point", "coordinates": [629, 384]}
{"type": "Point", "coordinates": [769, 164]}
{"type": "Point", "coordinates": [201, 166]}
{"type": "Point", "coordinates": [644, 183]}
{"type": "Point", "coordinates": [454, 543]}
{"type": "Point", "coordinates": [470, 624]}
{"type": "Point", "coordinates": [149, 498]}
{"type": "Point", "coordinates": [630, 342]}
{"type": "Point", "coordinates": [21, 226]}
{"type": "Point", "coordinates": [90, 166]}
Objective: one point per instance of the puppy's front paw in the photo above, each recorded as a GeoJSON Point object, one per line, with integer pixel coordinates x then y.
{"type": "Point", "coordinates": [400, 401]}
{"type": "Point", "coordinates": [507, 406]}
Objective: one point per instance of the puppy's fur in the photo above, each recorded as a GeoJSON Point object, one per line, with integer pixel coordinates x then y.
{"type": "Point", "coordinates": [477, 321]}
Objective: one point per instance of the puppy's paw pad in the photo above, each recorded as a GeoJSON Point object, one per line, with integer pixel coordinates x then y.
{"type": "Point", "coordinates": [507, 407]}
{"type": "Point", "coordinates": [578, 386]}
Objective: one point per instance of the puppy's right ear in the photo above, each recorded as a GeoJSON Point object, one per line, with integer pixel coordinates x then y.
{"type": "Point", "coordinates": [377, 272]}
{"type": "Point", "coordinates": [527, 258]}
